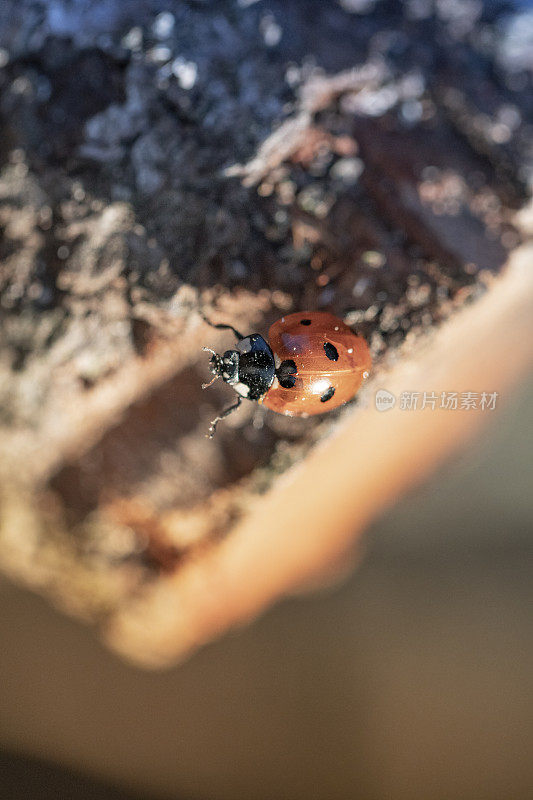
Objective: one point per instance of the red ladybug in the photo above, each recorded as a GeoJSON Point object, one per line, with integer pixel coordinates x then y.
{"type": "Point", "coordinates": [314, 363]}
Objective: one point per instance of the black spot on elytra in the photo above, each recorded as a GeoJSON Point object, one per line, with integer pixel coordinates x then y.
{"type": "Point", "coordinates": [305, 322]}
{"type": "Point", "coordinates": [328, 394]}
{"type": "Point", "coordinates": [286, 373]}
{"type": "Point", "coordinates": [331, 351]}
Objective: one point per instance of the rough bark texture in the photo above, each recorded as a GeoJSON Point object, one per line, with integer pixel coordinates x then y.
{"type": "Point", "coordinates": [162, 159]}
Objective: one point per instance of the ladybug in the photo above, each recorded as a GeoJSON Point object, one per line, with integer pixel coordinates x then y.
{"type": "Point", "coordinates": [312, 363]}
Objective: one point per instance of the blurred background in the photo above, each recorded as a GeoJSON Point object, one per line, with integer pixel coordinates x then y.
{"type": "Point", "coordinates": [412, 680]}
{"type": "Point", "coordinates": [135, 187]}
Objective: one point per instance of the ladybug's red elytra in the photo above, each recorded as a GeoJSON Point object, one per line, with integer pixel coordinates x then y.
{"type": "Point", "coordinates": [312, 363]}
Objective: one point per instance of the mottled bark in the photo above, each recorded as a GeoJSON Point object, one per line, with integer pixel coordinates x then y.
{"type": "Point", "coordinates": [242, 162]}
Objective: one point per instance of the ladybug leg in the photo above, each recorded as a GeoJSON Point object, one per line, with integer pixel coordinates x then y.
{"type": "Point", "coordinates": [216, 374]}
{"type": "Point", "coordinates": [211, 382]}
{"type": "Point", "coordinates": [222, 327]}
{"type": "Point", "coordinates": [214, 423]}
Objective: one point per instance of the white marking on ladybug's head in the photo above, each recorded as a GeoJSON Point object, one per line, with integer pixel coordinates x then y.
{"type": "Point", "coordinates": [242, 389]}
{"type": "Point", "coordinates": [277, 361]}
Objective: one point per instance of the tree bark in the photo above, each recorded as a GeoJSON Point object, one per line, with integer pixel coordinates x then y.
{"type": "Point", "coordinates": [160, 165]}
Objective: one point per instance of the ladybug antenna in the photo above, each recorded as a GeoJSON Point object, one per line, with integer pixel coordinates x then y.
{"type": "Point", "coordinates": [221, 327]}
{"type": "Point", "coordinates": [212, 428]}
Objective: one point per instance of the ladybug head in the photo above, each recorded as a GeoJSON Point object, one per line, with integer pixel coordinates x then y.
{"type": "Point", "coordinates": [225, 367]}
{"type": "Point", "coordinates": [249, 368]}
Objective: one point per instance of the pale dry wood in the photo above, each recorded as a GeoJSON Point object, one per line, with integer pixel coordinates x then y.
{"type": "Point", "coordinates": [315, 515]}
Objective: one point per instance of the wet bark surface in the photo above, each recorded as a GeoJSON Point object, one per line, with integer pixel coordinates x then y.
{"type": "Point", "coordinates": [159, 160]}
